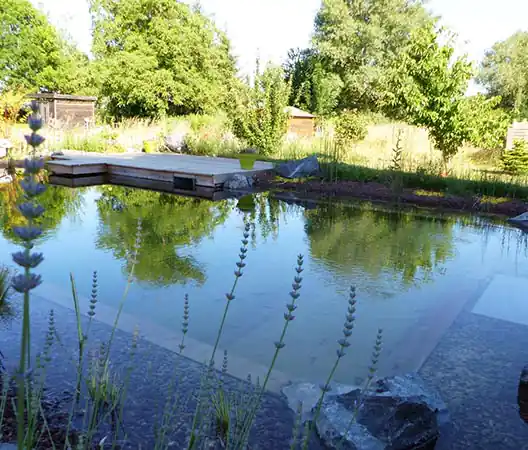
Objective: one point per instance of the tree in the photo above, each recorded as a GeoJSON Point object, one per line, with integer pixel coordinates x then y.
{"type": "Point", "coordinates": [359, 39]}
{"type": "Point", "coordinates": [313, 88]}
{"type": "Point", "coordinates": [159, 57]}
{"type": "Point", "coordinates": [487, 122]}
{"type": "Point", "coordinates": [504, 73]}
{"type": "Point", "coordinates": [169, 223]}
{"type": "Point", "coordinates": [32, 54]}
{"type": "Point", "coordinates": [426, 87]}
{"type": "Point", "coordinates": [259, 114]}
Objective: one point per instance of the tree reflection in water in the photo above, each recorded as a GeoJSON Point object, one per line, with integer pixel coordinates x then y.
{"type": "Point", "coordinates": [169, 224]}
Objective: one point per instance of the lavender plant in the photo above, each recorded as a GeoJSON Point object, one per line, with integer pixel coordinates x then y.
{"type": "Point", "coordinates": [25, 282]}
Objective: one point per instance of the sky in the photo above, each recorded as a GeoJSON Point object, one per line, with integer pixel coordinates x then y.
{"type": "Point", "coordinates": [269, 28]}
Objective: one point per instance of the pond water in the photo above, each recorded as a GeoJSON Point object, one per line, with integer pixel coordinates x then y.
{"type": "Point", "coordinates": [407, 267]}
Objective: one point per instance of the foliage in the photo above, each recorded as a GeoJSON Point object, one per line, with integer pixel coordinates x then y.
{"type": "Point", "coordinates": [169, 222]}
{"type": "Point", "coordinates": [159, 59]}
{"type": "Point", "coordinates": [466, 184]}
{"type": "Point", "coordinates": [97, 143]}
{"type": "Point", "coordinates": [503, 73]}
{"type": "Point", "coordinates": [358, 40]}
{"type": "Point", "coordinates": [515, 161]}
{"type": "Point", "coordinates": [313, 88]}
{"type": "Point", "coordinates": [487, 122]}
{"type": "Point", "coordinates": [350, 128]}
{"type": "Point", "coordinates": [33, 56]}
{"type": "Point", "coordinates": [426, 87]}
{"type": "Point", "coordinates": [259, 114]}
{"type": "Point", "coordinates": [12, 102]}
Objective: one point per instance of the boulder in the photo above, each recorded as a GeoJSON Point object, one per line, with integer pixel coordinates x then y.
{"type": "Point", "coordinates": [520, 221]}
{"type": "Point", "coordinates": [307, 167]}
{"type": "Point", "coordinates": [238, 182]}
{"type": "Point", "coordinates": [522, 394]}
{"type": "Point", "coordinates": [397, 413]}
{"type": "Point", "coordinates": [175, 142]}
{"type": "Point", "coordinates": [57, 155]}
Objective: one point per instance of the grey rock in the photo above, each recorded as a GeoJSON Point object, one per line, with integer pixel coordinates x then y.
{"type": "Point", "coordinates": [175, 142]}
{"type": "Point", "coordinates": [5, 446]}
{"type": "Point", "coordinates": [521, 221]}
{"type": "Point", "coordinates": [522, 394]}
{"type": "Point", "coordinates": [238, 182]}
{"type": "Point", "coordinates": [397, 413]}
{"type": "Point", "coordinates": [307, 167]}
{"type": "Point", "coordinates": [56, 155]}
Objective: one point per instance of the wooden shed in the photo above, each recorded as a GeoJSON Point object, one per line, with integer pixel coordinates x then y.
{"type": "Point", "coordinates": [300, 123]}
{"type": "Point", "coordinates": [67, 110]}
{"type": "Point", "coordinates": [518, 131]}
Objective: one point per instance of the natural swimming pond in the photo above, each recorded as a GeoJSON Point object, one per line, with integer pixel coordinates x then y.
{"type": "Point", "coordinates": [410, 269]}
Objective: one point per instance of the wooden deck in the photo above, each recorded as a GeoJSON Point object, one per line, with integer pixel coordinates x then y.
{"type": "Point", "coordinates": [185, 172]}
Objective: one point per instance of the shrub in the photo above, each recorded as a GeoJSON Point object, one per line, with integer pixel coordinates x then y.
{"type": "Point", "coordinates": [350, 128]}
{"type": "Point", "coordinates": [259, 115]}
{"type": "Point", "coordinates": [515, 161]}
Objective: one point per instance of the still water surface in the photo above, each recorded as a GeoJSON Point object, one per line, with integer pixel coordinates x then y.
{"type": "Point", "coordinates": [405, 266]}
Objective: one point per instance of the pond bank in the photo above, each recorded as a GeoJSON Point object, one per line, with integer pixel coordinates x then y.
{"type": "Point", "coordinates": [316, 189]}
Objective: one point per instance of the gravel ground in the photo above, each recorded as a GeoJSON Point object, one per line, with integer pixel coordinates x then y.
{"type": "Point", "coordinates": [476, 368]}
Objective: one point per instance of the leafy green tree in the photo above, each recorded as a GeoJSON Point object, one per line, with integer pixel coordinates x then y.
{"type": "Point", "coordinates": [159, 57]}
{"type": "Point", "coordinates": [487, 122]}
{"type": "Point", "coordinates": [313, 88]}
{"type": "Point", "coordinates": [359, 39]}
{"type": "Point", "coordinates": [259, 114]}
{"type": "Point", "coordinates": [169, 223]}
{"type": "Point", "coordinates": [404, 247]}
{"type": "Point", "coordinates": [33, 55]}
{"type": "Point", "coordinates": [426, 87]}
{"type": "Point", "coordinates": [504, 73]}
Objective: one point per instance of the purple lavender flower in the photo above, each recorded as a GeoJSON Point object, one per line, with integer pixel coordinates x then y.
{"type": "Point", "coordinates": [34, 139]}
{"type": "Point", "coordinates": [24, 283]}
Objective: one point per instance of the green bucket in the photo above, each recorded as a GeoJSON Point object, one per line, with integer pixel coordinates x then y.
{"type": "Point", "coordinates": [150, 146]}
{"type": "Point", "coordinates": [247, 160]}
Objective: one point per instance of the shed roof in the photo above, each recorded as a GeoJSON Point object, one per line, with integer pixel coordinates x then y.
{"type": "Point", "coordinates": [296, 112]}
{"type": "Point", "coordinates": [54, 96]}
